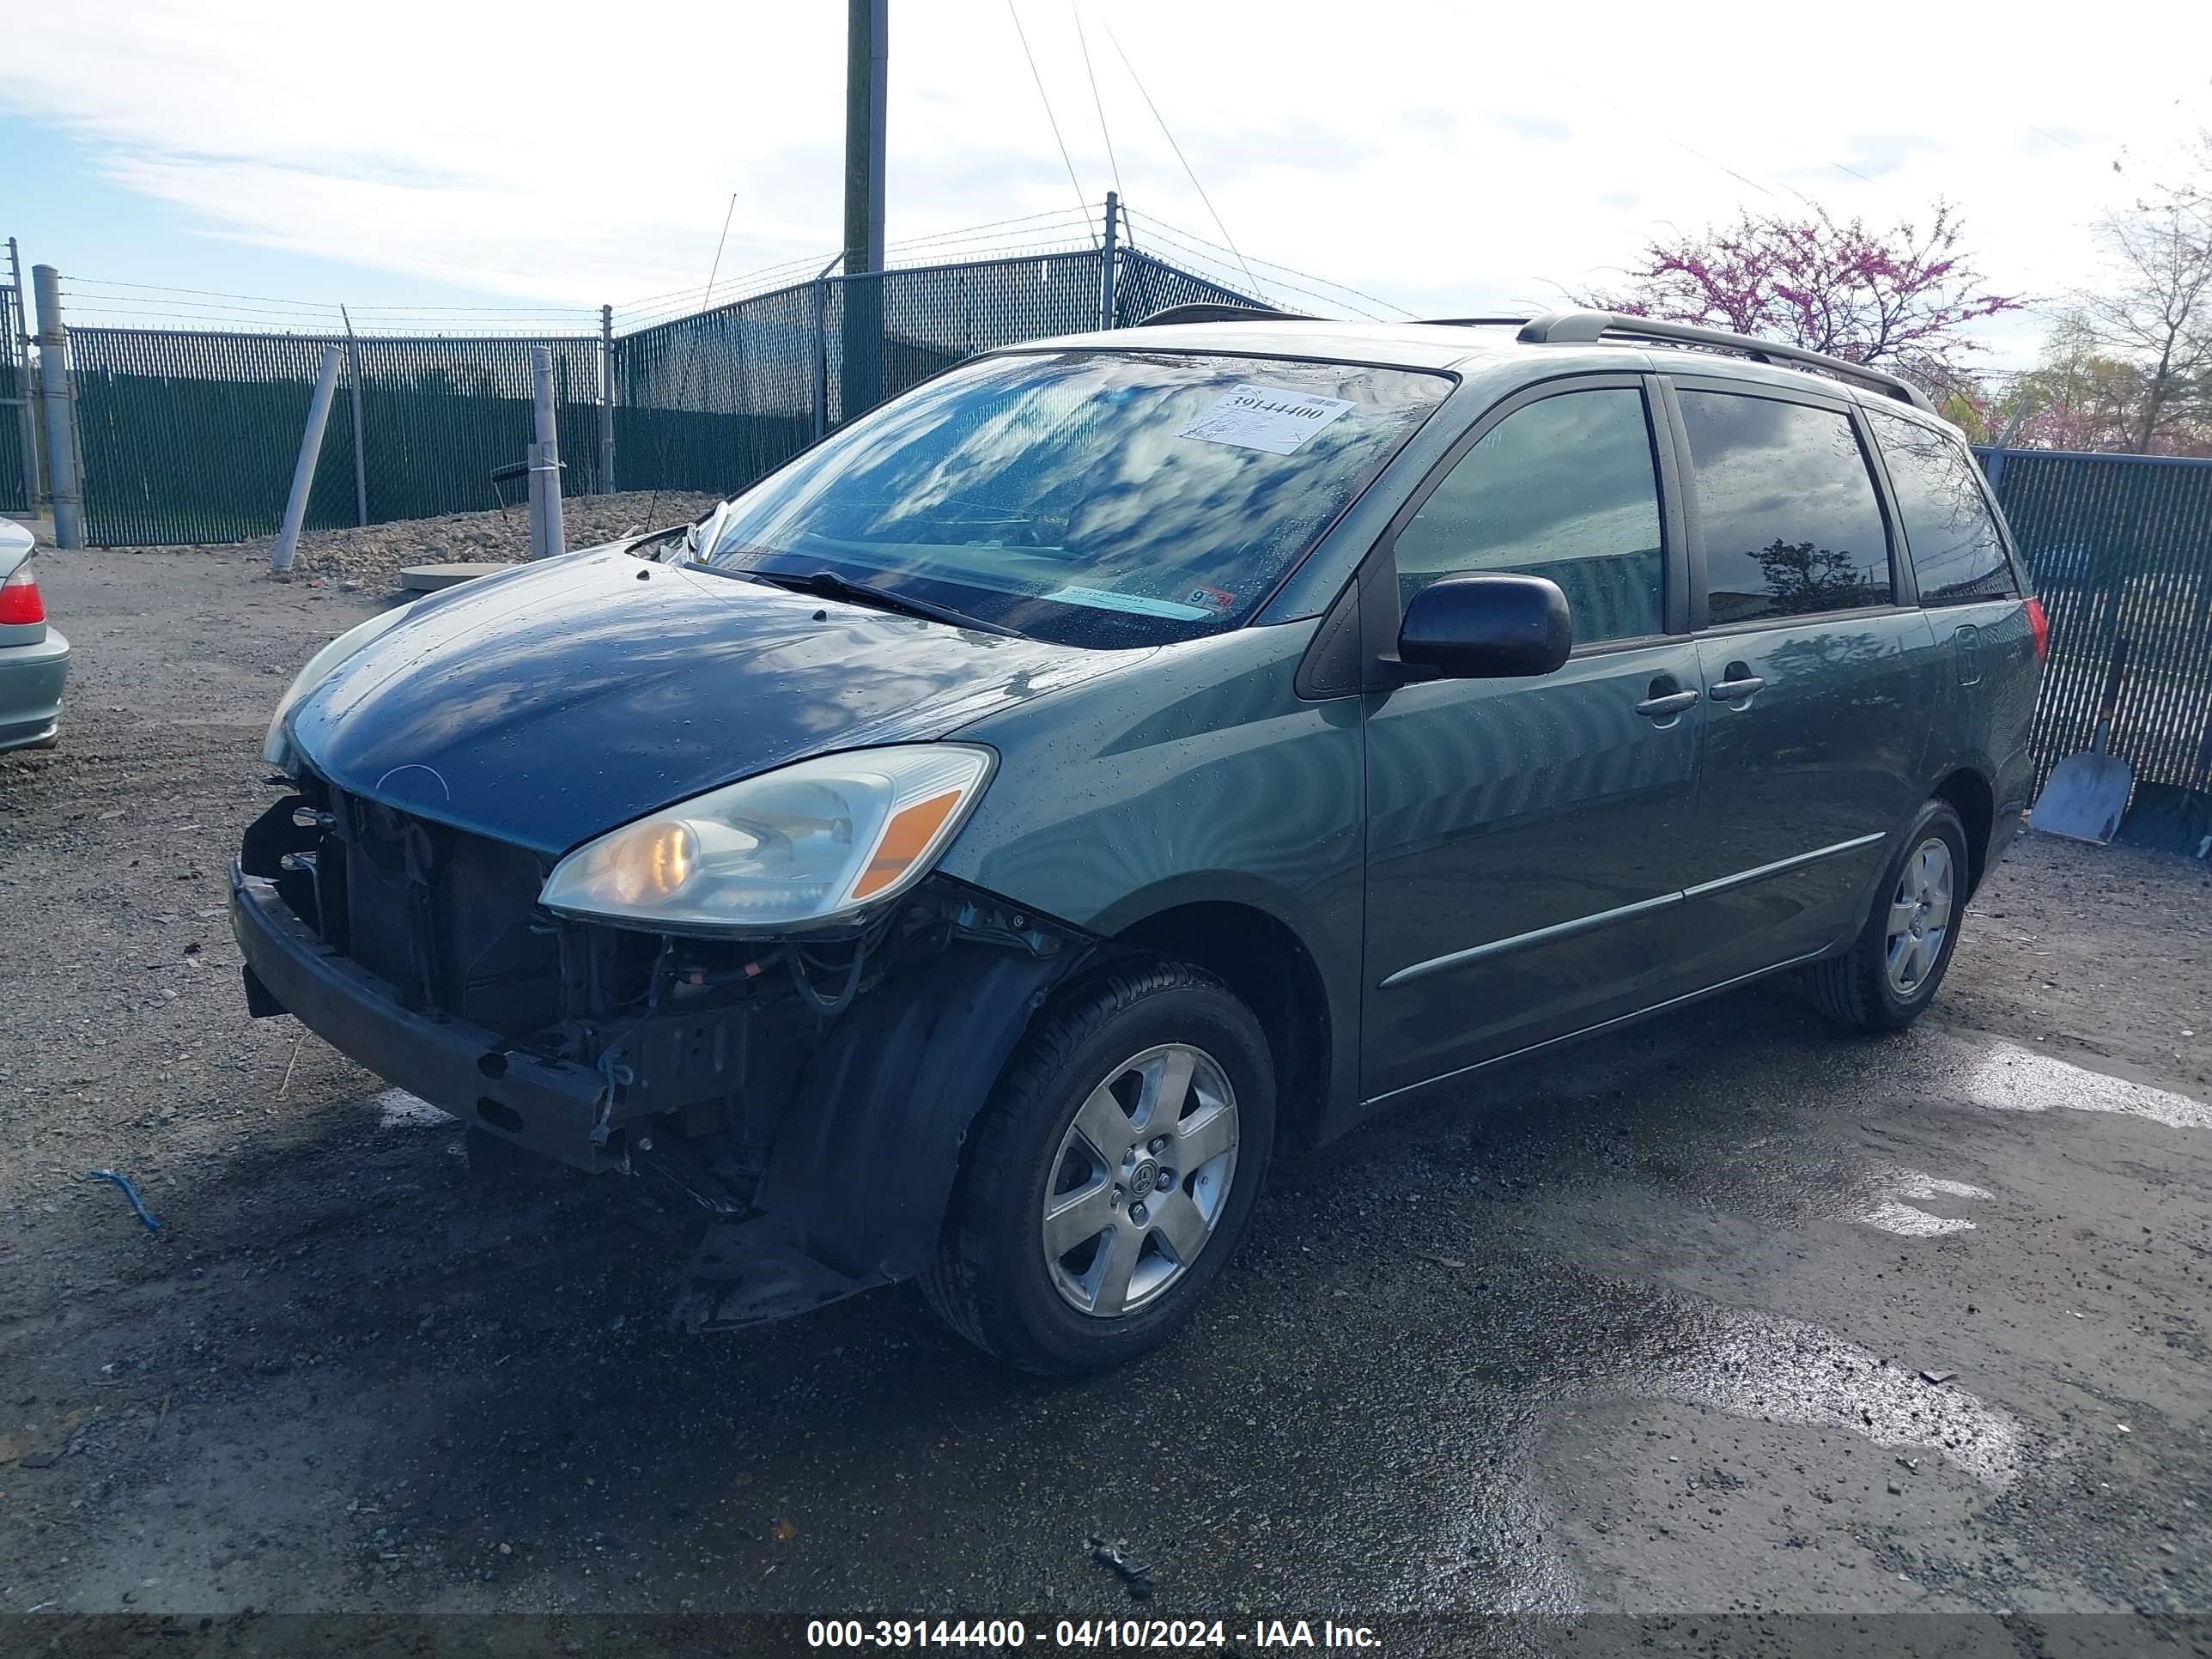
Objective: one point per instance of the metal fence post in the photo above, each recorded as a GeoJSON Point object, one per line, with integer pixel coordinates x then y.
{"type": "Point", "coordinates": [546, 535]}
{"type": "Point", "coordinates": [303, 471]}
{"type": "Point", "coordinates": [66, 486]}
{"type": "Point", "coordinates": [360, 469]}
{"type": "Point", "coordinates": [26, 410]}
{"type": "Point", "coordinates": [821, 357]}
{"type": "Point", "coordinates": [1106, 265]}
{"type": "Point", "coordinates": [606, 400]}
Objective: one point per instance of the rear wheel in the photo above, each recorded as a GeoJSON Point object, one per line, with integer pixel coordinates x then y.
{"type": "Point", "coordinates": [1890, 974]}
{"type": "Point", "coordinates": [1112, 1174]}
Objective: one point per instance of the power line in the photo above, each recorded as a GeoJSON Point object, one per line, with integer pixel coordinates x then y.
{"type": "Point", "coordinates": [691, 358]}
{"type": "Point", "coordinates": [1180, 157]}
{"type": "Point", "coordinates": [1276, 265]}
{"type": "Point", "coordinates": [1021, 34]}
{"type": "Point", "coordinates": [1104, 131]}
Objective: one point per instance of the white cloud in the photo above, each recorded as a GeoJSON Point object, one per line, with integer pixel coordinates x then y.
{"type": "Point", "coordinates": [1435, 154]}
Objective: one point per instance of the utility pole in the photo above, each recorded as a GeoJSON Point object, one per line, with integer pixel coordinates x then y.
{"type": "Point", "coordinates": [867, 53]}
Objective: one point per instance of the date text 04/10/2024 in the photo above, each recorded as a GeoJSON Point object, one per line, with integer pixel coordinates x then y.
{"type": "Point", "coordinates": [1008, 1634]}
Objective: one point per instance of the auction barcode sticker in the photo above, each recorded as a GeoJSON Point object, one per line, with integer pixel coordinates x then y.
{"type": "Point", "coordinates": [1265, 418]}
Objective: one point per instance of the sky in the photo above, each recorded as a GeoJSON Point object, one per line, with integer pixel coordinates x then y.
{"type": "Point", "coordinates": [432, 164]}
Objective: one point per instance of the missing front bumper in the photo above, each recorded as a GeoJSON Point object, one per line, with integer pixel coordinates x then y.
{"type": "Point", "coordinates": [548, 1107]}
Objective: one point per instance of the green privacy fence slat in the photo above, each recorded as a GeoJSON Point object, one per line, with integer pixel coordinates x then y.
{"type": "Point", "coordinates": [14, 383]}
{"type": "Point", "coordinates": [191, 437]}
{"type": "Point", "coordinates": [2121, 548]}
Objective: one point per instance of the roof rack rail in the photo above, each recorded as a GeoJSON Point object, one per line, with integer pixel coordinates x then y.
{"type": "Point", "coordinates": [1586, 327]}
{"type": "Point", "coordinates": [1473, 322]}
{"type": "Point", "coordinates": [1208, 311]}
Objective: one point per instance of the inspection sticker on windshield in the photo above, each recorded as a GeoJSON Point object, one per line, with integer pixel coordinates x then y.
{"type": "Point", "coordinates": [1265, 418]}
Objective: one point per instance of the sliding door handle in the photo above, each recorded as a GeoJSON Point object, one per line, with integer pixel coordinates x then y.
{"type": "Point", "coordinates": [1736, 690]}
{"type": "Point", "coordinates": [1673, 703]}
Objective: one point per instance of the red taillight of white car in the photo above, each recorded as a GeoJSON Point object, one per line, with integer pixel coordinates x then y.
{"type": "Point", "coordinates": [19, 599]}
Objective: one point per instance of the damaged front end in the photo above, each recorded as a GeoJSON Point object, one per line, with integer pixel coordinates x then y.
{"type": "Point", "coordinates": [811, 1093]}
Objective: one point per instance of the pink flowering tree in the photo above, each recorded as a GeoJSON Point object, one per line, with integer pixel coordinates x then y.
{"type": "Point", "coordinates": [1902, 299]}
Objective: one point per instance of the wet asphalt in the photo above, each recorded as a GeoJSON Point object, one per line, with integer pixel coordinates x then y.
{"type": "Point", "coordinates": [1726, 1312]}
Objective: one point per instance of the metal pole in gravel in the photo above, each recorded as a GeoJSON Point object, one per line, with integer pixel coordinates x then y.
{"type": "Point", "coordinates": [546, 536]}
{"type": "Point", "coordinates": [65, 485]}
{"type": "Point", "coordinates": [303, 473]}
{"type": "Point", "coordinates": [353, 381]}
{"type": "Point", "coordinates": [606, 400]}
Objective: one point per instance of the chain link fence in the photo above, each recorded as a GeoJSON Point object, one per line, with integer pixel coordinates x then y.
{"type": "Point", "coordinates": [18, 458]}
{"type": "Point", "coordinates": [190, 436]}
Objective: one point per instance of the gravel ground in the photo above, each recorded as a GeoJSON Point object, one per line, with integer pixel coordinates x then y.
{"type": "Point", "coordinates": [1650, 1328]}
{"type": "Point", "coordinates": [369, 559]}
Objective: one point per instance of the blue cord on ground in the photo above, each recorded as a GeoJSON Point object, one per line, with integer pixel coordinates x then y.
{"type": "Point", "coordinates": [130, 1193]}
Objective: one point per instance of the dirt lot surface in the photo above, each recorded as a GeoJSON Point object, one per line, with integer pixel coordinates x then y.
{"type": "Point", "coordinates": [368, 559]}
{"type": "Point", "coordinates": [1729, 1313]}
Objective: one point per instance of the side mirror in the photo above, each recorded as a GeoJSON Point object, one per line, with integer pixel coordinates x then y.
{"type": "Point", "coordinates": [1480, 627]}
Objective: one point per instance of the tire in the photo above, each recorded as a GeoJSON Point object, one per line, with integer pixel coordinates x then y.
{"type": "Point", "coordinates": [1859, 988]}
{"type": "Point", "coordinates": [1112, 1051]}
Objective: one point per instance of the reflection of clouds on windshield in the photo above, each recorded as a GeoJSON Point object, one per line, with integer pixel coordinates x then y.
{"type": "Point", "coordinates": [1017, 476]}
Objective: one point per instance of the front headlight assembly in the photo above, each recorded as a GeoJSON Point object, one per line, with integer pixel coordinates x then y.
{"type": "Point", "coordinates": [814, 842]}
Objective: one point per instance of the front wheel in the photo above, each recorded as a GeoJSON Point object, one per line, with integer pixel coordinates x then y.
{"type": "Point", "coordinates": [1111, 1175]}
{"type": "Point", "coordinates": [1889, 975]}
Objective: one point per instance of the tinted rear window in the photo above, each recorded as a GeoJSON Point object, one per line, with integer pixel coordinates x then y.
{"type": "Point", "coordinates": [1792, 524]}
{"type": "Point", "coordinates": [1958, 556]}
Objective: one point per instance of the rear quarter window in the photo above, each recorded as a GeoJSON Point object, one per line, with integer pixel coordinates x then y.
{"type": "Point", "coordinates": [1958, 556]}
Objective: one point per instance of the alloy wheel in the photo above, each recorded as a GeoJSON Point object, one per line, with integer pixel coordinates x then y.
{"type": "Point", "coordinates": [1919, 917]}
{"type": "Point", "coordinates": [1141, 1180]}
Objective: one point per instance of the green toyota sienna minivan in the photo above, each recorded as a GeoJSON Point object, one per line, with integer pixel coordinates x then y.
{"type": "Point", "coordinates": [975, 851]}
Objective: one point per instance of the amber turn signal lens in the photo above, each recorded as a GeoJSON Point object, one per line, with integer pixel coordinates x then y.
{"type": "Point", "coordinates": [909, 832]}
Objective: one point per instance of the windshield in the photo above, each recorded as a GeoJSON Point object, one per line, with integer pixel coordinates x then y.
{"type": "Point", "coordinates": [1100, 498]}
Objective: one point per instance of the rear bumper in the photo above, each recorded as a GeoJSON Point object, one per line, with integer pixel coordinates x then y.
{"type": "Point", "coordinates": [31, 681]}
{"type": "Point", "coordinates": [462, 1069]}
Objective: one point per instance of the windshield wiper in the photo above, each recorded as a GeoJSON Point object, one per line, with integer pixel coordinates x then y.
{"type": "Point", "coordinates": [829, 584]}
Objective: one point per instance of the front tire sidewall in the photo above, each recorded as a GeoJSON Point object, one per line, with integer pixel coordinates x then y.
{"type": "Point", "coordinates": [1059, 1338]}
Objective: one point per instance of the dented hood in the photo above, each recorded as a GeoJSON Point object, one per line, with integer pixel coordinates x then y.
{"type": "Point", "coordinates": [548, 705]}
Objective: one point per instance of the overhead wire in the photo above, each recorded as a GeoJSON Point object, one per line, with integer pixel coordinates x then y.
{"type": "Point", "coordinates": [1192, 236]}
{"type": "Point", "coordinates": [1164, 236]}
{"type": "Point", "coordinates": [1075, 10]}
{"type": "Point", "coordinates": [1188, 171]}
{"type": "Point", "coordinates": [691, 358]}
{"type": "Point", "coordinates": [1045, 99]}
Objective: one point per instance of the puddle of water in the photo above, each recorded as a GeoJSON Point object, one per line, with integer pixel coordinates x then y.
{"type": "Point", "coordinates": [2009, 1078]}
{"type": "Point", "coordinates": [1782, 1371]}
{"type": "Point", "coordinates": [397, 1109]}
{"type": "Point", "coordinates": [1892, 1214]}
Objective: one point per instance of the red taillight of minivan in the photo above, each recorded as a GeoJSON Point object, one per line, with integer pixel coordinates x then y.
{"type": "Point", "coordinates": [19, 599]}
{"type": "Point", "coordinates": [2039, 625]}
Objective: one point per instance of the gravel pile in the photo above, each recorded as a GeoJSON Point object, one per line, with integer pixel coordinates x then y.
{"type": "Point", "coordinates": [371, 557]}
